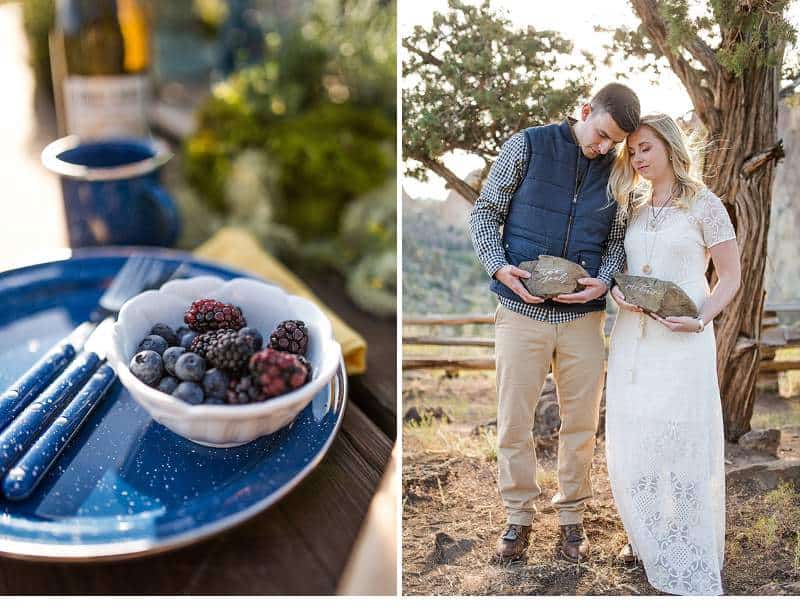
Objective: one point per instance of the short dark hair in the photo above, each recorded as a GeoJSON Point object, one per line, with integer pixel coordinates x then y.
{"type": "Point", "coordinates": [621, 103]}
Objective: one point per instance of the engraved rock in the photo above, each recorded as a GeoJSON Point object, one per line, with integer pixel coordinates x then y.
{"type": "Point", "coordinates": [656, 296]}
{"type": "Point", "coordinates": [551, 276]}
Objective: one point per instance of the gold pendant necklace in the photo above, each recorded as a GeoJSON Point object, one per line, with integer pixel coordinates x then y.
{"type": "Point", "coordinates": [652, 223]}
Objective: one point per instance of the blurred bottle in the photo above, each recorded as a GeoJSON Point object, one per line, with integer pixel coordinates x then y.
{"type": "Point", "coordinates": [100, 56]}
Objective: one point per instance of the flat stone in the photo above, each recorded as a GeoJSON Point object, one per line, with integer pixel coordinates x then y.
{"type": "Point", "coordinates": [656, 296]}
{"type": "Point", "coordinates": [769, 475]}
{"type": "Point", "coordinates": [551, 276]}
{"type": "Point", "coordinates": [447, 550]}
{"type": "Point", "coordinates": [774, 588]}
{"type": "Point", "coordinates": [766, 441]}
{"type": "Point", "coordinates": [418, 415]}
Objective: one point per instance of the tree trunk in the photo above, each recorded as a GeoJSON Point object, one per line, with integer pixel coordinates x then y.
{"type": "Point", "coordinates": [741, 115]}
{"type": "Point", "coordinates": [739, 168]}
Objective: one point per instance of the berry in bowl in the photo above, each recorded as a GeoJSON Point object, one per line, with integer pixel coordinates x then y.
{"type": "Point", "coordinates": [223, 363]}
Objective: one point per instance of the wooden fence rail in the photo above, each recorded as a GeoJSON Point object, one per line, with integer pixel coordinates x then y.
{"type": "Point", "coordinates": [773, 337]}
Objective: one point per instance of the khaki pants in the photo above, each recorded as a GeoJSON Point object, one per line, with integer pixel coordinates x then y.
{"type": "Point", "coordinates": [525, 348]}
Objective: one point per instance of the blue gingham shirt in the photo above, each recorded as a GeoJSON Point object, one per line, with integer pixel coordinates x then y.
{"type": "Point", "coordinates": [489, 214]}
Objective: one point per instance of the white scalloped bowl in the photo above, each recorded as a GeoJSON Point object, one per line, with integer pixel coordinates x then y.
{"type": "Point", "coordinates": [264, 306]}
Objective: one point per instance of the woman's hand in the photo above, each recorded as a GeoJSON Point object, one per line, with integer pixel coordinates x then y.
{"type": "Point", "coordinates": [619, 299]}
{"type": "Point", "coordinates": [679, 324]}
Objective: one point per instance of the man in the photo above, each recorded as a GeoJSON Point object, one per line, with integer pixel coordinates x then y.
{"type": "Point", "coordinates": [548, 190]}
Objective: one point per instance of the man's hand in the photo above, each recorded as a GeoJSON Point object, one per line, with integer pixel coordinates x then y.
{"type": "Point", "coordinates": [619, 299]}
{"type": "Point", "coordinates": [595, 288]}
{"type": "Point", "coordinates": [509, 275]}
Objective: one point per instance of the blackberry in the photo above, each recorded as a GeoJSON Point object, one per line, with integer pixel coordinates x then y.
{"type": "Point", "coordinates": [258, 340]}
{"type": "Point", "coordinates": [290, 336]}
{"type": "Point", "coordinates": [242, 390]}
{"type": "Point", "coordinates": [278, 372]}
{"type": "Point", "coordinates": [231, 352]}
{"type": "Point", "coordinates": [203, 343]}
{"type": "Point", "coordinates": [208, 314]}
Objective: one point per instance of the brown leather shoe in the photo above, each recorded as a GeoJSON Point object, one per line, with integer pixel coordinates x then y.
{"type": "Point", "coordinates": [513, 544]}
{"type": "Point", "coordinates": [627, 556]}
{"type": "Point", "coordinates": [574, 543]}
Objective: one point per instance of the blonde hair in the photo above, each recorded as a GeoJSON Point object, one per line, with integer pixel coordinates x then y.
{"type": "Point", "coordinates": [631, 191]}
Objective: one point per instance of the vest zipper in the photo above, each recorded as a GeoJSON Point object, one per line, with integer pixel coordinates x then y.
{"type": "Point", "coordinates": [578, 186]}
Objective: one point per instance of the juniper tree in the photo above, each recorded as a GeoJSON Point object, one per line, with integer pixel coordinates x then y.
{"type": "Point", "coordinates": [730, 59]}
{"type": "Point", "coordinates": [472, 80]}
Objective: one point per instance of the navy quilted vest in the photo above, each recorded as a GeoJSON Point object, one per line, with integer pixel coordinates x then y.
{"type": "Point", "coordinates": [547, 216]}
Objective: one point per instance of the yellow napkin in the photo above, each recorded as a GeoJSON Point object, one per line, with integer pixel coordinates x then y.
{"type": "Point", "coordinates": [238, 248]}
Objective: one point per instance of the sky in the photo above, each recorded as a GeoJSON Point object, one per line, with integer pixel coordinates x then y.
{"type": "Point", "coordinates": [575, 19]}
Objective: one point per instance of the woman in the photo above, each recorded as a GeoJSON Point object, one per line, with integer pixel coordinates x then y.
{"type": "Point", "coordinates": [664, 437]}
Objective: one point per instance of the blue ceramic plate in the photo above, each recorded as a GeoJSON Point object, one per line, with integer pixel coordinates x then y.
{"type": "Point", "coordinates": [126, 486]}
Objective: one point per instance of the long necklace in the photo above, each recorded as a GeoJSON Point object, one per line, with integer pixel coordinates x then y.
{"type": "Point", "coordinates": [652, 226]}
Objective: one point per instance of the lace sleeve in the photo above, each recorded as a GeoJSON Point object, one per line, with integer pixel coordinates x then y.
{"type": "Point", "coordinates": [715, 223]}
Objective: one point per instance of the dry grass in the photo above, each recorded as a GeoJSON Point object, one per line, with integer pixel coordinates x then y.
{"type": "Point", "coordinates": [450, 495]}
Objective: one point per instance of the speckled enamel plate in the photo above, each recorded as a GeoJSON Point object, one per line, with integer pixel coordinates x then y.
{"type": "Point", "coordinates": [126, 486]}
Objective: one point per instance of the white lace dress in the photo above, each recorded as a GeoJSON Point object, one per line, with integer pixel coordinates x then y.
{"type": "Point", "coordinates": [664, 436]}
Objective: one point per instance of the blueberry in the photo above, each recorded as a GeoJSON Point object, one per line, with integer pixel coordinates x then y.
{"type": "Point", "coordinates": [146, 366]}
{"type": "Point", "coordinates": [258, 340]}
{"type": "Point", "coordinates": [153, 343]}
{"type": "Point", "coordinates": [170, 357]}
{"type": "Point", "coordinates": [165, 331]}
{"type": "Point", "coordinates": [187, 338]}
{"type": "Point", "coordinates": [215, 383]}
{"type": "Point", "coordinates": [213, 400]}
{"type": "Point", "coordinates": [190, 392]}
{"type": "Point", "coordinates": [190, 367]}
{"type": "Point", "coordinates": [168, 384]}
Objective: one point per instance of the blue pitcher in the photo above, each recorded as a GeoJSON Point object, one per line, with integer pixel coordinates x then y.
{"type": "Point", "coordinates": [111, 190]}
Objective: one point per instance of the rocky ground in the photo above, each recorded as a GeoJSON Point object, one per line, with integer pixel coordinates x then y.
{"type": "Point", "coordinates": [452, 514]}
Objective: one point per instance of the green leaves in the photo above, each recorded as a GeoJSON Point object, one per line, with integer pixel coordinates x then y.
{"type": "Point", "coordinates": [474, 79]}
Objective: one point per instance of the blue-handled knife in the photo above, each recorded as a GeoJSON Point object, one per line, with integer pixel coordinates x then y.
{"type": "Point", "coordinates": [26, 474]}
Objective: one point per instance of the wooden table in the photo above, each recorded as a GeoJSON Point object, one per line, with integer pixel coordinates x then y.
{"type": "Point", "coordinates": [299, 546]}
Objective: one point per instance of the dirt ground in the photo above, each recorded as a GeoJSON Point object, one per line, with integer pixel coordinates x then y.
{"type": "Point", "coordinates": [452, 514]}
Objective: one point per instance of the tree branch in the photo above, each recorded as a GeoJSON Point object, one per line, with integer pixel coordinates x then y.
{"type": "Point", "coordinates": [427, 57]}
{"type": "Point", "coordinates": [757, 160]}
{"type": "Point", "coordinates": [789, 89]}
{"type": "Point", "coordinates": [702, 97]}
{"type": "Point", "coordinates": [453, 181]}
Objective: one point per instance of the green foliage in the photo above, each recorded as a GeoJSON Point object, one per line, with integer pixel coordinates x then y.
{"type": "Point", "coordinates": [743, 35]}
{"type": "Point", "coordinates": [777, 525]}
{"type": "Point", "coordinates": [321, 106]}
{"type": "Point", "coordinates": [472, 80]}
{"type": "Point", "coordinates": [328, 156]}
{"type": "Point", "coordinates": [300, 149]}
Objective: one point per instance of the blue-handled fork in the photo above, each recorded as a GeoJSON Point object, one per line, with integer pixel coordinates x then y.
{"type": "Point", "coordinates": [136, 275]}
{"type": "Point", "coordinates": [26, 410]}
